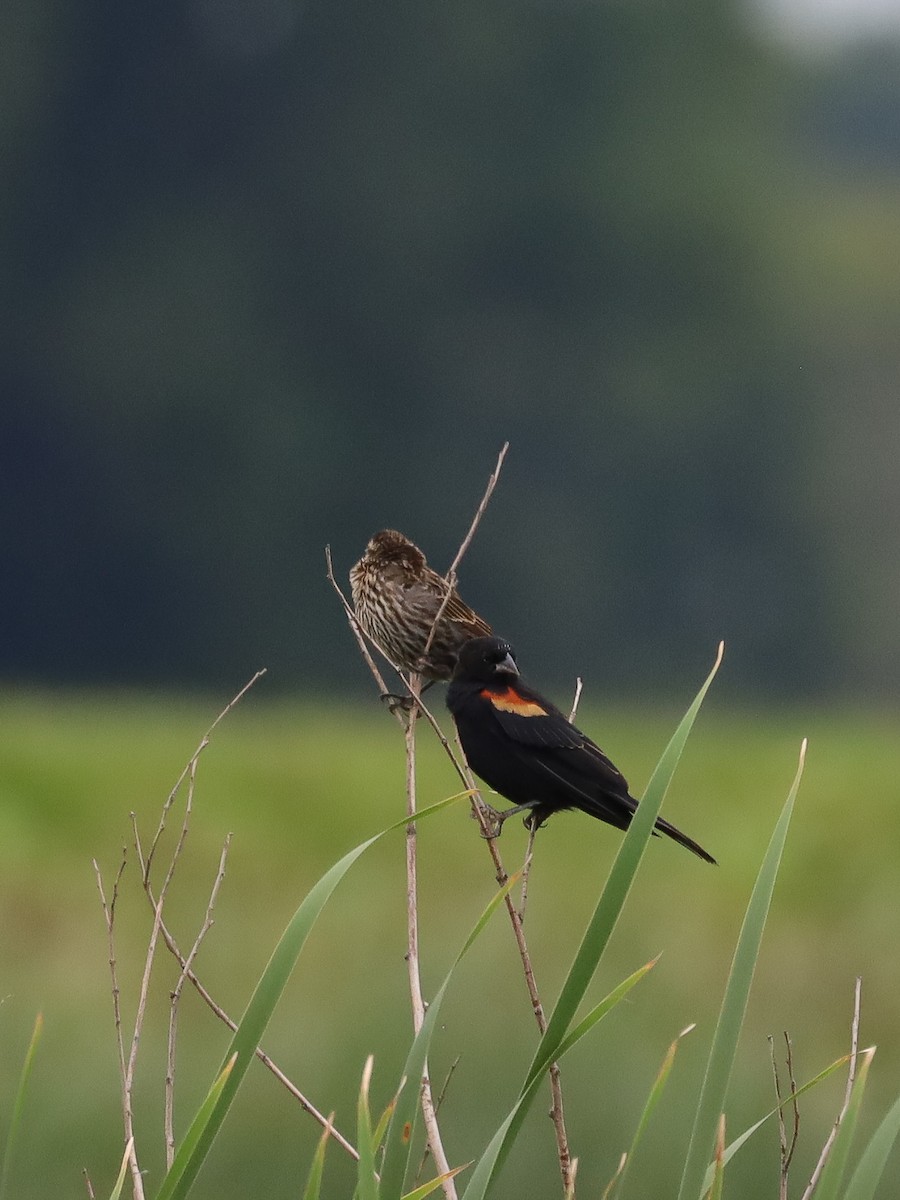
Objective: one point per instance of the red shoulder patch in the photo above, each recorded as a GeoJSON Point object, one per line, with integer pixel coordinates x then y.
{"type": "Point", "coordinates": [510, 701]}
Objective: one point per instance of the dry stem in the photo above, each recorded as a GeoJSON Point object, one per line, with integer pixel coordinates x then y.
{"type": "Point", "coordinates": [787, 1149]}
{"type": "Point", "coordinates": [127, 1077]}
{"type": "Point", "coordinates": [429, 1111]}
{"type": "Point", "coordinates": [851, 1079]}
{"type": "Point", "coordinates": [173, 1009]}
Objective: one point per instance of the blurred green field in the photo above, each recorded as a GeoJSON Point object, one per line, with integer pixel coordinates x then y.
{"type": "Point", "coordinates": [299, 783]}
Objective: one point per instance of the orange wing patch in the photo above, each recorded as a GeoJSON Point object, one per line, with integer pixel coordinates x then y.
{"type": "Point", "coordinates": [510, 701]}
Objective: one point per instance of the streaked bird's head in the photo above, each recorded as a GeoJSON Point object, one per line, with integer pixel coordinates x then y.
{"type": "Point", "coordinates": [389, 546]}
{"type": "Point", "coordinates": [485, 659]}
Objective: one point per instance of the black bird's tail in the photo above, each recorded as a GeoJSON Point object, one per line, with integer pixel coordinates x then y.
{"type": "Point", "coordinates": [683, 840]}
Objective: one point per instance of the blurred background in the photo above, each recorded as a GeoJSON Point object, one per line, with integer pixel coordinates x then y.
{"type": "Point", "coordinates": [280, 274]}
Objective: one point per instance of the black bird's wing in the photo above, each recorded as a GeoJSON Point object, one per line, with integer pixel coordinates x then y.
{"type": "Point", "coordinates": [528, 718]}
{"type": "Point", "coordinates": [563, 761]}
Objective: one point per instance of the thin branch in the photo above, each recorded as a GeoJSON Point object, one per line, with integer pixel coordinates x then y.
{"type": "Point", "coordinates": [191, 766]}
{"type": "Point", "coordinates": [88, 1184]}
{"type": "Point", "coordinates": [109, 913]}
{"type": "Point", "coordinates": [526, 872]}
{"type": "Point", "coordinates": [429, 1111]}
{"type": "Point", "coordinates": [173, 1009]}
{"type": "Point", "coordinates": [851, 1079]}
{"type": "Point", "coordinates": [579, 685]}
{"type": "Point", "coordinates": [451, 577]}
{"type": "Point", "coordinates": [786, 1149]}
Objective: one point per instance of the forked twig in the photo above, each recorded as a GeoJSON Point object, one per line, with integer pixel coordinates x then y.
{"type": "Point", "coordinates": [851, 1079]}
{"type": "Point", "coordinates": [786, 1148]}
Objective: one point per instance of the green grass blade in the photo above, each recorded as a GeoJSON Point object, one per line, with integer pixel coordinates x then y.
{"type": "Point", "coordinates": [480, 1180]}
{"type": "Point", "coordinates": [600, 1010]}
{"type": "Point", "coordinates": [317, 1168]}
{"type": "Point", "coordinates": [500, 1143]}
{"type": "Point", "coordinates": [383, 1122]}
{"type": "Point", "coordinates": [272, 983]}
{"type": "Point", "coordinates": [830, 1180]}
{"type": "Point", "coordinates": [120, 1178]}
{"type": "Point", "coordinates": [595, 940]}
{"type": "Point", "coordinates": [15, 1119]}
{"type": "Point", "coordinates": [870, 1167]}
{"type": "Point", "coordinates": [397, 1146]}
{"type": "Point", "coordinates": [174, 1180]}
{"type": "Point", "coordinates": [366, 1177]}
{"type": "Point", "coordinates": [617, 1186]}
{"type": "Point", "coordinates": [427, 1188]}
{"type": "Point", "coordinates": [615, 892]}
{"type": "Point", "coordinates": [734, 1004]}
{"type": "Point", "coordinates": [738, 1142]}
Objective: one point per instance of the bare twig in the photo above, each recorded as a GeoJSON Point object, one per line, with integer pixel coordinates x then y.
{"type": "Point", "coordinates": [429, 1110]}
{"type": "Point", "coordinates": [191, 767]}
{"type": "Point", "coordinates": [579, 685]}
{"type": "Point", "coordinates": [526, 872]}
{"type": "Point", "coordinates": [126, 1076]}
{"type": "Point", "coordinates": [450, 577]}
{"type": "Point", "coordinates": [851, 1079]}
{"type": "Point", "coordinates": [786, 1148]}
{"type": "Point", "coordinates": [88, 1184]}
{"type": "Point", "coordinates": [174, 1001]}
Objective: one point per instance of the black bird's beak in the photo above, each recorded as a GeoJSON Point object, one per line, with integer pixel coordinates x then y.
{"type": "Point", "coordinates": [507, 665]}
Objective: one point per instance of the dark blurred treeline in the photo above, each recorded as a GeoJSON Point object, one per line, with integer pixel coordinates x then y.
{"type": "Point", "coordinates": [278, 274]}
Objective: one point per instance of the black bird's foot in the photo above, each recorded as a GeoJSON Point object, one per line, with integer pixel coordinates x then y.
{"type": "Point", "coordinates": [490, 820]}
{"type": "Point", "coordinates": [395, 702]}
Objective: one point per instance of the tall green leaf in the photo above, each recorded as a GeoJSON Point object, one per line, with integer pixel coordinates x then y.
{"type": "Point", "coordinates": [597, 935]}
{"type": "Point", "coordinates": [731, 1017]}
{"type": "Point", "coordinates": [486, 1167]}
{"type": "Point", "coordinates": [869, 1169]}
{"type": "Point", "coordinates": [317, 1168]}
{"type": "Point", "coordinates": [612, 899]}
{"type": "Point", "coordinates": [15, 1119]}
{"type": "Point", "coordinates": [617, 1185]}
{"type": "Point", "coordinates": [366, 1177]}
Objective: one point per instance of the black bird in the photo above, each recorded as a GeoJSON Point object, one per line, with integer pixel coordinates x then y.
{"type": "Point", "coordinates": [525, 748]}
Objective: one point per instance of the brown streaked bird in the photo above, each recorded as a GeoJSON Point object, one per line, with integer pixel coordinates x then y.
{"type": "Point", "coordinates": [527, 750]}
{"type": "Point", "coordinates": [396, 596]}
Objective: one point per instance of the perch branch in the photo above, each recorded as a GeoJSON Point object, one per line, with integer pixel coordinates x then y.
{"type": "Point", "coordinates": [481, 811]}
